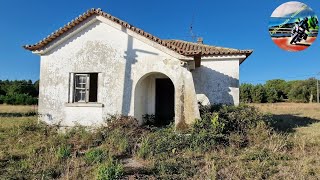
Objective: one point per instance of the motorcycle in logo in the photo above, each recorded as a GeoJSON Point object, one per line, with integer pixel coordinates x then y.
{"type": "Point", "coordinates": [293, 26]}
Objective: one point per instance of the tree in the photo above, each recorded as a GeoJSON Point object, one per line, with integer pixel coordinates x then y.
{"type": "Point", "coordinates": [299, 92]}
{"type": "Point", "coordinates": [289, 86]}
{"type": "Point", "coordinates": [246, 93]}
{"type": "Point", "coordinates": [279, 86]}
{"type": "Point", "coordinates": [272, 95]}
{"type": "Point", "coordinates": [312, 87]}
{"type": "Point", "coordinates": [18, 92]}
{"type": "Point", "coordinates": [259, 94]}
{"type": "Point", "coordinates": [2, 92]}
{"type": "Point", "coordinates": [36, 86]}
{"type": "Point", "coordinates": [278, 90]}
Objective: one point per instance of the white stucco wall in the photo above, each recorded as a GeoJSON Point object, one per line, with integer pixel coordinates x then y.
{"type": "Point", "coordinates": [217, 81]}
{"type": "Point", "coordinates": [121, 61]}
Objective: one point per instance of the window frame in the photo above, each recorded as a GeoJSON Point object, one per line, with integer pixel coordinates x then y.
{"type": "Point", "coordinates": [74, 87]}
{"type": "Point", "coordinates": [85, 89]}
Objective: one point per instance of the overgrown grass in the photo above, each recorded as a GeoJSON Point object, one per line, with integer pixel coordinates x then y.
{"type": "Point", "coordinates": [110, 170]}
{"type": "Point", "coordinates": [17, 108]}
{"type": "Point", "coordinates": [227, 143]}
{"type": "Point", "coordinates": [34, 151]}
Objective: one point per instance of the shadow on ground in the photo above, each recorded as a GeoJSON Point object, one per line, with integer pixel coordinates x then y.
{"type": "Point", "coordinates": [288, 122]}
{"type": "Point", "coordinates": [28, 114]}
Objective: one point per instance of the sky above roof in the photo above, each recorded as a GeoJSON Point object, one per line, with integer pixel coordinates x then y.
{"type": "Point", "coordinates": [234, 24]}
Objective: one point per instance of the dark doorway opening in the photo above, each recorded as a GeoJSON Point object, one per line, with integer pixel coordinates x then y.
{"type": "Point", "coordinates": [164, 102]}
{"type": "Point", "coordinates": [93, 90]}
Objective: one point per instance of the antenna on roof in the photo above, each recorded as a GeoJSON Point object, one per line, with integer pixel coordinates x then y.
{"type": "Point", "coordinates": [193, 36]}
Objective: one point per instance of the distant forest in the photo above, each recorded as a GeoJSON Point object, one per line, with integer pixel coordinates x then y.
{"type": "Point", "coordinates": [25, 92]}
{"type": "Point", "coordinates": [279, 90]}
{"type": "Point", "coordinates": [19, 92]}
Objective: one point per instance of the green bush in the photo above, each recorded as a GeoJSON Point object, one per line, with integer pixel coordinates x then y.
{"type": "Point", "coordinates": [31, 100]}
{"type": "Point", "coordinates": [145, 149]}
{"type": "Point", "coordinates": [272, 95]}
{"type": "Point", "coordinates": [110, 170]}
{"type": "Point", "coordinates": [246, 91]}
{"type": "Point", "coordinates": [94, 156]}
{"type": "Point", "coordinates": [259, 94]}
{"type": "Point", "coordinates": [8, 100]}
{"type": "Point", "coordinates": [239, 119]}
{"type": "Point", "coordinates": [207, 132]}
{"type": "Point", "coordinates": [64, 151]}
{"type": "Point", "coordinates": [18, 99]}
{"type": "Point", "coordinates": [117, 143]}
{"type": "Point", "coordinates": [121, 135]}
{"type": "Point", "coordinates": [219, 122]}
{"type": "Point", "coordinates": [219, 125]}
{"type": "Point", "coordinates": [163, 142]}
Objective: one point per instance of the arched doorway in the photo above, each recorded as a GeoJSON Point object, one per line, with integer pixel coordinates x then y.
{"type": "Point", "coordinates": [154, 99]}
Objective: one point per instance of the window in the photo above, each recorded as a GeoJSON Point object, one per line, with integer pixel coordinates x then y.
{"type": "Point", "coordinates": [85, 87]}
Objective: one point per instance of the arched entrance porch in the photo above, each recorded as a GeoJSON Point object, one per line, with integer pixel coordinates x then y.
{"type": "Point", "coordinates": [154, 99]}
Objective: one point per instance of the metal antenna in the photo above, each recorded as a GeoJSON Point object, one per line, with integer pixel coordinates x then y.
{"type": "Point", "coordinates": [193, 36]}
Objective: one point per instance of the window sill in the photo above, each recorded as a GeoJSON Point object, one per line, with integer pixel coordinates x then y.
{"type": "Point", "coordinates": [84, 105]}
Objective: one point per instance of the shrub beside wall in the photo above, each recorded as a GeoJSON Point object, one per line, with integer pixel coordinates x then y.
{"type": "Point", "coordinates": [19, 92]}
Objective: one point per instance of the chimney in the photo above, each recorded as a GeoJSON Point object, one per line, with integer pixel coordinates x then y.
{"type": "Point", "coordinates": [200, 40]}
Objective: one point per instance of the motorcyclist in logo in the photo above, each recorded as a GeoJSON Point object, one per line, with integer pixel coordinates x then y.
{"type": "Point", "coordinates": [295, 28]}
{"type": "Point", "coordinates": [299, 31]}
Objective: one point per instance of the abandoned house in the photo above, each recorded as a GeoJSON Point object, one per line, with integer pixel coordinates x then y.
{"type": "Point", "coordinates": [98, 65]}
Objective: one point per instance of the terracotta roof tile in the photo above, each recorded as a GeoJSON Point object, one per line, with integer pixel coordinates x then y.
{"type": "Point", "coordinates": [190, 48]}
{"type": "Point", "coordinates": [182, 47]}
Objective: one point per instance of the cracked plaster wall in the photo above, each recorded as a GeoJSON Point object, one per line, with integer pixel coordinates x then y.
{"type": "Point", "coordinates": [217, 81]}
{"type": "Point", "coordinates": [121, 61]}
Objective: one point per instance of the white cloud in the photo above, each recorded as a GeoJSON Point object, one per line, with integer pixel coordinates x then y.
{"type": "Point", "coordinates": [288, 8]}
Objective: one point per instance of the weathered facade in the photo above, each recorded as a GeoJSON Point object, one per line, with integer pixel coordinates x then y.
{"type": "Point", "coordinates": [98, 65]}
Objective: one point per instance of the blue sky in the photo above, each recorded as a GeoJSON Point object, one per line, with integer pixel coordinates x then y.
{"type": "Point", "coordinates": [237, 24]}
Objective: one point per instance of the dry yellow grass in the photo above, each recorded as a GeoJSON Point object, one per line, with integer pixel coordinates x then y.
{"type": "Point", "coordinates": [17, 109]}
{"type": "Point", "coordinates": [9, 122]}
{"type": "Point", "coordinates": [296, 109]}
{"type": "Point", "coordinates": [294, 112]}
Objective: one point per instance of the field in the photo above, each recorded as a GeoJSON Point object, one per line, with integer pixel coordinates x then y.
{"type": "Point", "coordinates": [287, 148]}
{"type": "Point", "coordinates": [17, 109]}
{"type": "Point", "coordinates": [303, 118]}
{"type": "Point", "coordinates": [296, 109]}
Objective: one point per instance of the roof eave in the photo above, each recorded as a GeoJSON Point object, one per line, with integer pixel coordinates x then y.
{"type": "Point", "coordinates": [247, 55]}
{"type": "Point", "coordinates": [43, 46]}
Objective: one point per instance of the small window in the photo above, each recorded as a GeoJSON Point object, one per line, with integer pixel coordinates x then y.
{"type": "Point", "coordinates": [85, 87]}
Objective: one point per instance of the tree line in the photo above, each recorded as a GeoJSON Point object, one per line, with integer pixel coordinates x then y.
{"type": "Point", "coordinates": [279, 90]}
{"type": "Point", "coordinates": [19, 92]}
{"type": "Point", "coordinates": [25, 92]}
